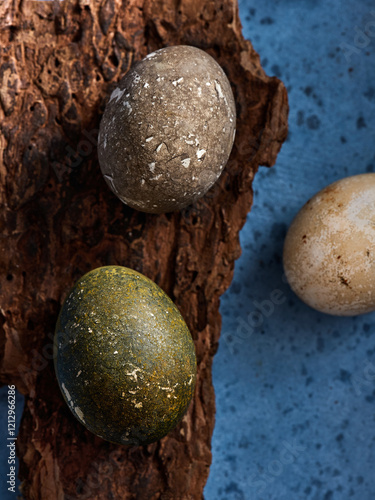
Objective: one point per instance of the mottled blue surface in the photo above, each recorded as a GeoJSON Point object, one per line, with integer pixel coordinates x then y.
{"type": "Point", "coordinates": [295, 389]}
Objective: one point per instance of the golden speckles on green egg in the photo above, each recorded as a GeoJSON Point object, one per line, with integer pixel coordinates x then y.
{"type": "Point", "coordinates": [124, 357]}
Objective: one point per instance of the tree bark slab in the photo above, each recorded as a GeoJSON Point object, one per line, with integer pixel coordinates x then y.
{"type": "Point", "coordinates": [59, 62]}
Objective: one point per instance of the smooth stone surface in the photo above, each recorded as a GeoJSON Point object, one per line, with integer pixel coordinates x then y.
{"type": "Point", "coordinates": [167, 130]}
{"type": "Point", "coordinates": [329, 250]}
{"type": "Point", "coordinates": [124, 357]}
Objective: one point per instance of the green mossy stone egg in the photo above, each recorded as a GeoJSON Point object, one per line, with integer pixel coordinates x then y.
{"type": "Point", "coordinates": [124, 357]}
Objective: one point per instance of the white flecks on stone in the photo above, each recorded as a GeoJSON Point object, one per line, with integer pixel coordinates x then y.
{"type": "Point", "coordinates": [156, 177]}
{"type": "Point", "coordinates": [159, 147]}
{"type": "Point", "coordinates": [196, 141]}
{"type": "Point", "coordinates": [219, 90]}
{"type": "Point", "coordinates": [186, 162]}
{"type": "Point", "coordinates": [130, 392]}
{"type": "Point", "coordinates": [208, 84]}
{"type": "Point", "coordinates": [146, 85]}
{"type": "Point", "coordinates": [127, 105]}
{"type": "Point", "coordinates": [128, 200]}
{"type": "Point", "coordinates": [199, 91]}
{"type": "Point", "coordinates": [189, 142]}
{"type": "Point", "coordinates": [125, 436]}
{"type": "Point", "coordinates": [142, 182]}
{"type": "Point", "coordinates": [180, 80]}
{"type": "Point", "coordinates": [116, 94]}
{"type": "Point", "coordinates": [149, 139]}
{"type": "Point", "coordinates": [115, 352]}
{"type": "Point", "coordinates": [151, 166]}
{"type": "Point", "coordinates": [79, 413]}
{"type": "Point", "coordinates": [194, 178]}
{"type": "Point", "coordinates": [133, 374]}
{"type": "Point", "coordinates": [79, 373]}
{"type": "Point", "coordinates": [200, 153]}
{"type": "Point", "coordinates": [137, 405]}
{"type": "Point", "coordinates": [168, 389]}
{"type": "Point", "coordinates": [66, 392]}
{"type": "Point", "coordinates": [158, 79]}
{"type": "Point", "coordinates": [113, 187]}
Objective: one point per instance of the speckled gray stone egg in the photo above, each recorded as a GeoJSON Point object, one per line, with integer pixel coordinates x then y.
{"type": "Point", "coordinates": [329, 251]}
{"type": "Point", "coordinates": [167, 130]}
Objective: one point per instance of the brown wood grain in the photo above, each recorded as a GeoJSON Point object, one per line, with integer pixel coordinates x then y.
{"type": "Point", "coordinates": [59, 61]}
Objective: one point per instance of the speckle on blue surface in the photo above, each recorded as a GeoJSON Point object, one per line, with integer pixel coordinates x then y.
{"type": "Point", "coordinates": [313, 122]}
{"type": "Point", "coordinates": [361, 123]}
{"type": "Point", "coordinates": [302, 383]}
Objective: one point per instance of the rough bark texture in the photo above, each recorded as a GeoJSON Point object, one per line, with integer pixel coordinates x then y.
{"type": "Point", "coordinates": [58, 220]}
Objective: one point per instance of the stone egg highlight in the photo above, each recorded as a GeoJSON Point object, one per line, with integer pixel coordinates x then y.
{"type": "Point", "coordinates": [167, 130]}
{"type": "Point", "coordinates": [329, 251]}
{"type": "Point", "coordinates": [124, 357]}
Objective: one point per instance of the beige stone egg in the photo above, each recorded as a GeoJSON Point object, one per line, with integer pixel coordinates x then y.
{"type": "Point", "coordinates": [329, 250]}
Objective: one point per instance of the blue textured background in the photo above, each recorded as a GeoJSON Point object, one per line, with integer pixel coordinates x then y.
{"type": "Point", "coordinates": [296, 394]}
